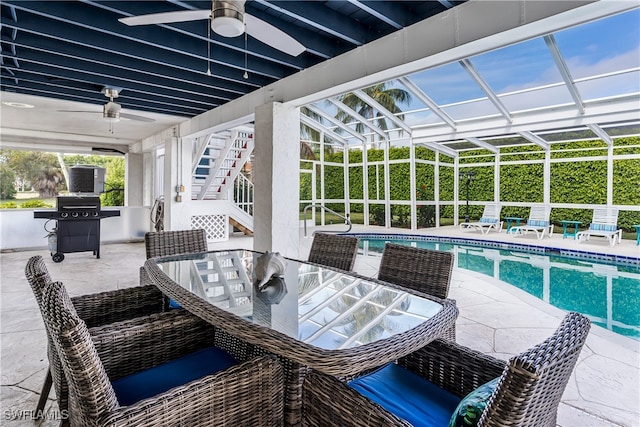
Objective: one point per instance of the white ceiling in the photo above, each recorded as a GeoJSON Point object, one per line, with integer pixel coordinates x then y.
{"type": "Point", "coordinates": [24, 127]}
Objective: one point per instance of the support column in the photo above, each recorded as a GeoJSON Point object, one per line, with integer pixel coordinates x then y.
{"type": "Point", "coordinates": [134, 179]}
{"type": "Point", "coordinates": [546, 182]}
{"type": "Point", "coordinates": [148, 178]}
{"type": "Point", "coordinates": [496, 179]}
{"type": "Point", "coordinates": [413, 188]}
{"type": "Point", "coordinates": [365, 183]}
{"type": "Point", "coordinates": [436, 188]}
{"type": "Point", "coordinates": [387, 186]}
{"type": "Point", "coordinates": [610, 175]}
{"type": "Point", "coordinates": [177, 171]}
{"type": "Point", "coordinates": [277, 179]}
{"type": "Point", "coordinates": [456, 183]}
{"type": "Point", "coordinates": [347, 196]}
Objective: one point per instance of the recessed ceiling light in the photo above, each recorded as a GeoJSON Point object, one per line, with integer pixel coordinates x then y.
{"type": "Point", "coordinates": [17, 104]}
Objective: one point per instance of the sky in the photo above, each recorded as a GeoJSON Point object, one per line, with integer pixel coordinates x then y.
{"type": "Point", "coordinates": [600, 47]}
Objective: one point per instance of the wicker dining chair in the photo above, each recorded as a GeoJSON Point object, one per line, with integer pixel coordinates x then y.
{"type": "Point", "coordinates": [528, 391]}
{"type": "Point", "coordinates": [95, 310]}
{"type": "Point", "coordinates": [176, 242]}
{"type": "Point", "coordinates": [425, 270]}
{"type": "Point", "coordinates": [334, 250]}
{"type": "Point", "coordinates": [123, 376]}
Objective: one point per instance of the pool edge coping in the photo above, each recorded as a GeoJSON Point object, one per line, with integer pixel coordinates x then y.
{"type": "Point", "coordinates": [590, 255]}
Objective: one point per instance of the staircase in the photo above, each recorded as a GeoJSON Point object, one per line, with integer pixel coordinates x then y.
{"type": "Point", "coordinates": [218, 161]}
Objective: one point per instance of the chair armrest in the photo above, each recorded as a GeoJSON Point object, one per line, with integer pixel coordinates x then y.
{"type": "Point", "coordinates": [250, 394]}
{"type": "Point", "coordinates": [145, 280]}
{"type": "Point", "coordinates": [161, 336]}
{"type": "Point", "coordinates": [113, 306]}
{"type": "Point", "coordinates": [453, 367]}
{"type": "Point", "coordinates": [328, 402]}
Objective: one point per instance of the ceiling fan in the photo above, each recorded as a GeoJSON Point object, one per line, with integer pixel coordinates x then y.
{"type": "Point", "coordinates": [228, 19]}
{"type": "Point", "coordinates": [111, 110]}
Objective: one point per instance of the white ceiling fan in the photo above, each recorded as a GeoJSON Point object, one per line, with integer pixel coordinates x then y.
{"type": "Point", "coordinates": [111, 111]}
{"type": "Point", "coordinates": [228, 19]}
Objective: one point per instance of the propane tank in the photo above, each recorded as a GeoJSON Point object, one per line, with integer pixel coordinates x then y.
{"type": "Point", "coordinates": [52, 239]}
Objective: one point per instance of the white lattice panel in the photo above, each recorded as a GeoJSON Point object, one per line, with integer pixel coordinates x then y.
{"type": "Point", "coordinates": [216, 226]}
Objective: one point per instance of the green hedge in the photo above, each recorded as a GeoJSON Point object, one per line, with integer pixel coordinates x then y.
{"type": "Point", "coordinates": [572, 182]}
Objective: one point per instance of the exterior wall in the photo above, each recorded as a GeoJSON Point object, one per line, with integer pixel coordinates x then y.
{"type": "Point", "coordinates": [20, 230]}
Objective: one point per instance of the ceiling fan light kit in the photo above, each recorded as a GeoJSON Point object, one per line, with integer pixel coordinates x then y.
{"type": "Point", "coordinates": [111, 112]}
{"type": "Point", "coordinates": [227, 18]}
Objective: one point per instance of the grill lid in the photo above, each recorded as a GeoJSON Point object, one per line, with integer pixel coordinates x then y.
{"type": "Point", "coordinates": [70, 203]}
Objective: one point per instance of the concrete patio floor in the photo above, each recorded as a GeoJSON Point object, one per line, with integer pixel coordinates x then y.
{"type": "Point", "coordinates": [495, 318]}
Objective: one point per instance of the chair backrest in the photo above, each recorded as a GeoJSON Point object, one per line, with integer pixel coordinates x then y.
{"type": "Point", "coordinates": [424, 270]}
{"type": "Point", "coordinates": [539, 216]}
{"type": "Point", "coordinates": [90, 390]}
{"type": "Point", "coordinates": [39, 278]}
{"type": "Point", "coordinates": [605, 216]}
{"type": "Point", "coordinates": [37, 275]}
{"type": "Point", "coordinates": [334, 250]}
{"type": "Point", "coordinates": [532, 383]}
{"type": "Point", "coordinates": [177, 242]}
{"type": "Point", "coordinates": [491, 213]}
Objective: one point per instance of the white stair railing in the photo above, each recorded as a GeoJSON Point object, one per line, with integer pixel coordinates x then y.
{"type": "Point", "coordinates": [243, 193]}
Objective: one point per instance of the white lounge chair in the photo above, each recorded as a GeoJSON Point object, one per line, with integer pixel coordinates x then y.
{"type": "Point", "coordinates": [603, 224]}
{"type": "Point", "coordinates": [538, 222]}
{"type": "Point", "coordinates": [490, 220]}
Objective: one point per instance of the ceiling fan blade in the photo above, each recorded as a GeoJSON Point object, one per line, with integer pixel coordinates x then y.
{"type": "Point", "coordinates": [77, 111]}
{"type": "Point", "coordinates": [136, 118]}
{"type": "Point", "coordinates": [167, 17]}
{"type": "Point", "coordinates": [272, 36]}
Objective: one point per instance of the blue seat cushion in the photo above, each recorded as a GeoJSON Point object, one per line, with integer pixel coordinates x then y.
{"type": "Point", "coordinates": [408, 396]}
{"type": "Point", "coordinates": [156, 380]}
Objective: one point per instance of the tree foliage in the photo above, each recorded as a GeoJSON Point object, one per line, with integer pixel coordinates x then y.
{"type": "Point", "coordinates": [42, 172]}
{"type": "Point", "coordinates": [7, 179]}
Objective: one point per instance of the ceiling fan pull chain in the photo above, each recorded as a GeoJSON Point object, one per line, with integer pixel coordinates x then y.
{"type": "Point", "coordinates": [208, 49]}
{"type": "Point", "coordinates": [246, 74]}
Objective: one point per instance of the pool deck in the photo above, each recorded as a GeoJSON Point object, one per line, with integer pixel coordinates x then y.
{"type": "Point", "coordinates": [495, 318]}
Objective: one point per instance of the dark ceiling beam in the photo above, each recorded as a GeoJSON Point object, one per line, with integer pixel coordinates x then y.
{"type": "Point", "coordinates": [91, 93]}
{"type": "Point", "coordinates": [83, 18]}
{"type": "Point", "coordinates": [315, 15]}
{"type": "Point", "coordinates": [148, 70]}
{"type": "Point", "coordinates": [32, 26]}
{"type": "Point", "coordinates": [82, 71]}
{"type": "Point", "coordinates": [194, 29]}
{"type": "Point", "coordinates": [48, 91]}
{"type": "Point", "coordinates": [386, 12]}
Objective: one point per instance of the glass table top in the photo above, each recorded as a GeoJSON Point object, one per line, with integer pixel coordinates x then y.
{"type": "Point", "coordinates": [323, 307]}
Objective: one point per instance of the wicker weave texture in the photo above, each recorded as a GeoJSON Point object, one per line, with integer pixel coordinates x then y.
{"type": "Point", "coordinates": [334, 250]}
{"type": "Point", "coordinates": [95, 310]}
{"type": "Point", "coordinates": [424, 270]}
{"type": "Point", "coordinates": [163, 243]}
{"type": "Point", "coordinates": [249, 394]}
{"type": "Point", "coordinates": [527, 395]}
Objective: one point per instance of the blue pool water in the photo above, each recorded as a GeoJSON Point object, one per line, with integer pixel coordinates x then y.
{"type": "Point", "coordinates": [605, 290]}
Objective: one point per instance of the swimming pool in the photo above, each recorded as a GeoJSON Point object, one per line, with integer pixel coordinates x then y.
{"type": "Point", "coordinates": [605, 290]}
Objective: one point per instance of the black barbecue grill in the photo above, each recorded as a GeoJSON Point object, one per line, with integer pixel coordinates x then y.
{"type": "Point", "coordinates": [78, 225]}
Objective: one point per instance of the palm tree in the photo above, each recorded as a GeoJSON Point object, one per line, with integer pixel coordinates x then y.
{"type": "Point", "coordinates": [306, 132]}
{"type": "Point", "coordinates": [48, 182]}
{"type": "Point", "coordinates": [389, 98]}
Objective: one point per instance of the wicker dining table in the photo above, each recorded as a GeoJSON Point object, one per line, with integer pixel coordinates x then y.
{"type": "Point", "coordinates": [310, 316]}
